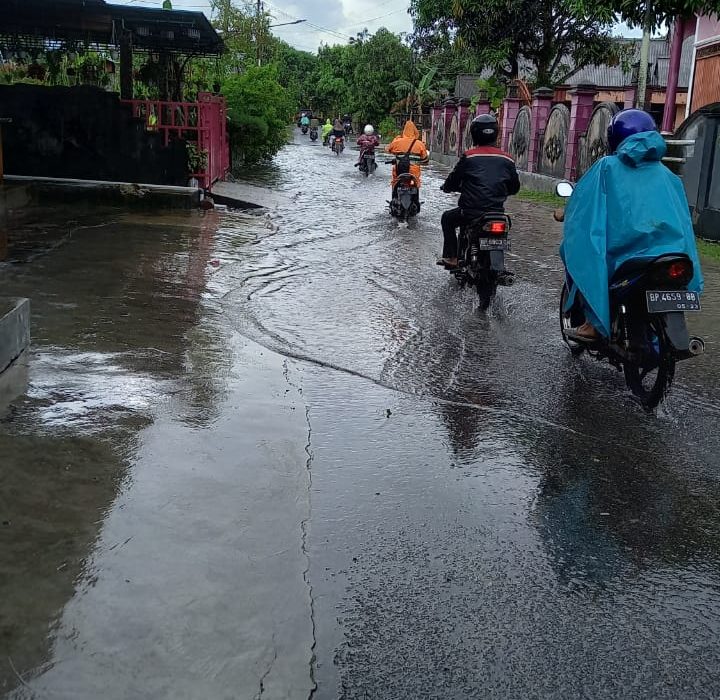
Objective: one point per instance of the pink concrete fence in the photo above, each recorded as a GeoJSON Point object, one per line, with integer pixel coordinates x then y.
{"type": "Point", "coordinates": [547, 137]}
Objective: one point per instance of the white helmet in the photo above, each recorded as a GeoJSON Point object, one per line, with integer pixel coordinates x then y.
{"type": "Point", "coordinates": [369, 129]}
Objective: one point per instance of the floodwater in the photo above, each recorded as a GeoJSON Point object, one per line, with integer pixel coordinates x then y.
{"type": "Point", "coordinates": [284, 456]}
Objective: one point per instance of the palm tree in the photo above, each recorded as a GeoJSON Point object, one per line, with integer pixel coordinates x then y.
{"type": "Point", "coordinates": [417, 95]}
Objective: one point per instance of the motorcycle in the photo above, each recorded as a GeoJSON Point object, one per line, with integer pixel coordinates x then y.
{"type": "Point", "coordinates": [648, 301]}
{"type": "Point", "coordinates": [405, 202]}
{"type": "Point", "coordinates": [313, 133]}
{"type": "Point", "coordinates": [304, 129]}
{"type": "Point", "coordinates": [481, 255]}
{"type": "Point", "coordinates": [367, 164]}
{"type": "Point", "coordinates": [337, 145]}
{"type": "Point", "coordinates": [347, 125]}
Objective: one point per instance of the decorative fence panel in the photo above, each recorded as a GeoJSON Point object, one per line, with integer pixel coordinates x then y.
{"type": "Point", "coordinates": [520, 139]}
{"type": "Point", "coordinates": [467, 139]}
{"type": "Point", "coordinates": [553, 152]}
{"type": "Point", "coordinates": [454, 135]}
{"type": "Point", "coordinates": [438, 134]}
{"type": "Point", "coordinates": [593, 144]}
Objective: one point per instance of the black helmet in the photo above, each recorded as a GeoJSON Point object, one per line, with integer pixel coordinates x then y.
{"type": "Point", "coordinates": [484, 130]}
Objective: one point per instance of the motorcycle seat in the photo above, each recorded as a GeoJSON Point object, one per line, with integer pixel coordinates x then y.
{"type": "Point", "coordinates": [635, 265]}
{"type": "Point", "coordinates": [481, 217]}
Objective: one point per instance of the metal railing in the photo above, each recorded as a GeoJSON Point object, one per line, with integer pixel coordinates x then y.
{"type": "Point", "coordinates": [203, 123]}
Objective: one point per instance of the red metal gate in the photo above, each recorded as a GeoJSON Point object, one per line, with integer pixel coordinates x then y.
{"type": "Point", "coordinates": [203, 123]}
{"type": "Point", "coordinates": [213, 135]}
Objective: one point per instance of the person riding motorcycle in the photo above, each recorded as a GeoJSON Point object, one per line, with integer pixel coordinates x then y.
{"type": "Point", "coordinates": [485, 176]}
{"type": "Point", "coordinates": [408, 142]}
{"type": "Point", "coordinates": [367, 142]}
{"type": "Point", "coordinates": [338, 131]}
{"type": "Point", "coordinates": [305, 120]}
{"type": "Point", "coordinates": [326, 129]}
{"type": "Point", "coordinates": [628, 205]}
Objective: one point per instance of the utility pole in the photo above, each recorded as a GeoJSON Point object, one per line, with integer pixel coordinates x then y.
{"type": "Point", "coordinates": [644, 57]}
{"type": "Point", "coordinates": [257, 31]}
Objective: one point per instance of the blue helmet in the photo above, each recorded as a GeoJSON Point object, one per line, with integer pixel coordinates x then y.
{"type": "Point", "coordinates": [626, 123]}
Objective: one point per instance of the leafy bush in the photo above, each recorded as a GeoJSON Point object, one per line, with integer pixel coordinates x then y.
{"type": "Point", "coordinates": [494, 90]}
{"type": "Point", "coordinates": [259, 110]}
{"type": "Point", "coordinates": [388, 129]}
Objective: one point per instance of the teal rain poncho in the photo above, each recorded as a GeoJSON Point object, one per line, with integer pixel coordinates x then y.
{"type": "Point", "coordinates": [628, 205]}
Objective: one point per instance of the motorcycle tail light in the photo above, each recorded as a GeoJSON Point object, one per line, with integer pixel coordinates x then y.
{"type": "Point", "coordinates": [496, 227]}
{"type": "Point", "coordinates": [680, 271]}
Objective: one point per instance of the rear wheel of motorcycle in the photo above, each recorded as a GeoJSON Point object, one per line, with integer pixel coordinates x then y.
{"type": "Point", "coordinates": [486, 286]}
{"type": "Point", "coordinates": [651, 383]}
{"type": "Point", "coordinates": [566, 324]}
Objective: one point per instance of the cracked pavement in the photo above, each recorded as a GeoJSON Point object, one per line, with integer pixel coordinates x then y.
{"type": "Point", "coordinates": [284, 456]}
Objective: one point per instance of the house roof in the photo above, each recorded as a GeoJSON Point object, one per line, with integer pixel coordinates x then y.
{"type": "Point", "coordinates": [25, 23]}
{"type": "Point", "coordinates": [658, 64]}
{"type": "Point", "coordinates": [605, 76]}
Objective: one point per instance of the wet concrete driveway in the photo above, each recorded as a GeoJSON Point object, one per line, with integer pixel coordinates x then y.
{"type": "Point", "coordinates": [313, 468]}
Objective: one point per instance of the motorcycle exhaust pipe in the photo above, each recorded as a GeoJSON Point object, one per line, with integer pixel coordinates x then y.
{"type": "Point", "coordinates": [697, 346]}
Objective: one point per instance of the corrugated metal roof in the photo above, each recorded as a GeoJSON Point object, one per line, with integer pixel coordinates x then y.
{"type": "Point", "coordinates": [658, 64]}
{"type": "Point", "coordinates": [605, 76]}
{"type": "Point", "coordinates": [466, 85]}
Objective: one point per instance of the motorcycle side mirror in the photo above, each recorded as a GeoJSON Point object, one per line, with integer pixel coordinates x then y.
{"type": "Point", "coordinates": [564, 189]}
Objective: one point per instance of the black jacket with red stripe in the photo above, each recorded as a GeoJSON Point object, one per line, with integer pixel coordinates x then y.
{"type": "Point", "coordinates": [485, 176]}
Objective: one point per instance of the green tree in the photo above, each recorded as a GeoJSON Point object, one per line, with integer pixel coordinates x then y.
{"type": "Point", "coordinates": [380, 60]}
{"type": "Point", "coordinates": [295, 69]}
{"type": "Point", "coordinates": [259, 110]}
{"type": "Point", "coordinates": [331, 80]}
{"type": "Point", "coordinates": [659, 12]}
{"type": "Point", "coordinates": [556, 37]}
{"type": "Point", "coordinates": [418, 92]}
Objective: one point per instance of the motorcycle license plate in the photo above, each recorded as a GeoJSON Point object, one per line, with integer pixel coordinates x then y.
{"type": "Point", "coordinates": [493, 244]}
{"type": "Point", "coordinates": [659, 302]}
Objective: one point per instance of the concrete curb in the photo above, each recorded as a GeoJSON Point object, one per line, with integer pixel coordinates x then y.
{"type": "Point", "coordinates": [14, 330]}
{"type": "Point", "coordinates": [243, 195]}
{"type": "Point", "coordinates": [100, 191]}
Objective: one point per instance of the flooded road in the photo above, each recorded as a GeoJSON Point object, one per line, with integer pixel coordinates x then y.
{"type": "Point", "coordinates": [285, 456]}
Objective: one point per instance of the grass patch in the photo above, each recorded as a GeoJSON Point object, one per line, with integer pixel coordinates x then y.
{"type": "Point", "coordinates": [548, 198]}
{"type": "Point", "coordinates": [708, 249]}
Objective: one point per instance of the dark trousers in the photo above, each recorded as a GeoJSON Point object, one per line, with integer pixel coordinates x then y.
{"type": "Point", "coordinates": [449, 221]}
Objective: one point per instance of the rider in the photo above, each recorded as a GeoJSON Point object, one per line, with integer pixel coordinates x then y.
{"type": "Point", "coordinates": [408, 142]}
{"type": "Point", "coordinates": [326, 129]}
{"type": "Point", "coordinates": [305, 120]}
{"type": "Point", "coordinates": [338, 130]}
{"type": "Point", "coordinates": [367, 142]}
{"type": "Point", "coordinates": [485, 176]}
{"type": "Point", "coordinates": [627, 206]}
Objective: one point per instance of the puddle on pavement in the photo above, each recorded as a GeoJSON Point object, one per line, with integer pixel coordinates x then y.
{"type": "Point", "coordinates": [500, 455]}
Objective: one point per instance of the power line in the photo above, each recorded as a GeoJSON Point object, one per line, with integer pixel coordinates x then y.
{"type": "Point", "coordinates": [373, 19]}
{"type": "Point", "coordinates": [311, 24]}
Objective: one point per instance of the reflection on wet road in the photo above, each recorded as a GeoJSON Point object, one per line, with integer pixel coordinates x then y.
{"type": "Point", "coordinates": [483, 515]}
{"type": "Point", "coordinates": [490, 517]}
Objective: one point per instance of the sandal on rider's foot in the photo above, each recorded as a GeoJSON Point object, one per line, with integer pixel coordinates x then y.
{"type": "Point", "coordinates": [586, 332]}
{"type": "Point", "coordinates": [448, 263]}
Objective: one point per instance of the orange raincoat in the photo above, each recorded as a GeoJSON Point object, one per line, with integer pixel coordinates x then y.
{"type": "Point", "coordinates": [399, 146]}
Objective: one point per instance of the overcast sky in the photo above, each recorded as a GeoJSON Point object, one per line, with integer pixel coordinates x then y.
{"type": "Point", "coordinates": [329, 22]}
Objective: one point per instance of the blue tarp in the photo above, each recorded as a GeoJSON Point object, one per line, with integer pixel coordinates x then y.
{"type": "Point", "coordinates": [628, 205]}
